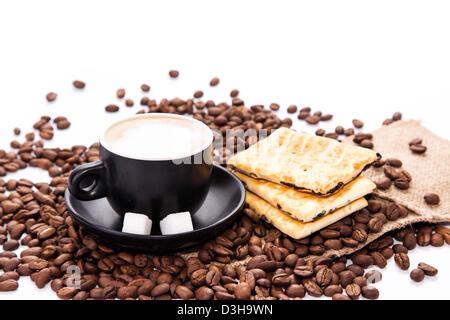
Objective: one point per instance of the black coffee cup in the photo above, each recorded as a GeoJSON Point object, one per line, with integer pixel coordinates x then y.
{"type": "Point", "coordinates": [155, 187]}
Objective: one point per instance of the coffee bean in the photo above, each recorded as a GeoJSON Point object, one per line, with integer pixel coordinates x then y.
{"type": "Point", "coordinates": [324, 277]}
{"type": "Point", "coordinates": [292, 108]}
{"type": "Point", "coordinates": [111, 108]}
{"type": "Point", "coordinates": [398, 248]}
{"type": "Point", "coordinates": [359, 235]}
{"type": "Point", "coordinates": [379, 163]}
{"type": "Point", "coordinates": [387, 253]}
{"type": "Point", "coordinates": [397, 116]}
{"type": "Point", "coordinates": [332, 290]}
{"type": "Point", "coordinates": [242, 291]}
{"type": "Point", "coordinates": [184, 292]}
{"type": "Point", "coordinates": [204, 293]}
{"type": "Point", "coordinates": [214, 82]}
{"type": "Point", "coordinates": [360, 281]}
{"type": "Point", "coordinates": [409, 241]}
{"type": "Point", "coordinates": [402, 260]}
{"type": "Point", "coordinates": [51, 96]}
{"type": "Point", "coordinates": [274, 106]}
{"type": "Point", "coordinates": [362, 260]}
{"type": "Point", "coordinates": [145, 87]}
{"type": "Point", "coordinates": [387, 122]}
{"type": "Point", "coordinates": [66, 293]}
{"type": "Point", "coordinates": [78, 84]}
{"type": "Point", "coordinates": [8, 285]}
{"type": "Point", "coordinates": [427, 269]}
{"type": "Point", "coordinates": [346, 277]}
{"type": "Point", "coordinates": [340, 296]}
{"type": "Point", "coordinates": [320, 132]}
{"type": "Point", "coordinates": [339, 130]}
{"type": "Point", "coordinates": [312, 120]}
{"type": "Point", "coordinates": [417, 275]}
{"type": "Point", "coordinates": [174, 73]}
{"type": "Point", "coordinates": [375, 225]}
{"type": "Point", "coordinates": [353, 291]}
{"type": "Point", "coordinates": [42, 277]}
{"type": "Point", "coordinates": [11, 245]}
{"type": "Point", "coordinates": [366, 143]}
{"type": "Point", "coordinates": [383, 183]}
{"type": "Point", "coordinates": [120, 93]}
{"type": "Point", "coordinates": [370, 293]}
{"type": "Point", "coordinates": [401, 184]}
{"type": "Point", "coordinates": [357, 123]}
{"type": "Point", "coordinates": [417, 148]}
{"type": "Point", "coordinates": [393, 162]}
{"type": "Point", "coordinates": [437, 240]}
{"type": "Point", "coordinates": [130, 292]}
{"type": "Point", "coordinates": [303, 271]}
{"type": "Point", "coordinates": [379, 260]}
{"type": "Point", "coordinates": [329, 234]}
{"type": "Point", "coordinates": [326, 117]}
{"type": "Point", "coordinates": [234, 93]}
{"type": "Point", "coordinates": [432, 198]}
{"type": "Point", "coordinates": [312, 288]}
{"type": "Point", "coordinates": [295, 291]}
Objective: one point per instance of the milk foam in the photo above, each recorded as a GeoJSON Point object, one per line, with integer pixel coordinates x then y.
{"type": "Point", "coordinates": [157, 137]}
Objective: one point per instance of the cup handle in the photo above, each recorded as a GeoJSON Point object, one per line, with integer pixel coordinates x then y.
{"type": "Point", "coordinates": [94, 170]}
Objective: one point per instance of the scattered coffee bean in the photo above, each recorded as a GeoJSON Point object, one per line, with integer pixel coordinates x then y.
{"type": "Point", "coordinates": [384, 183]}
{"type": "Point", "coordinates": [145, 87]}
{"type": "Point", "coordinates": [234, 93]}
{"type": "Point", "coordinates": [51, 96]}
{"type": "Point", "coordinates": [214, 82]}
{"type": "Point", "coordinates": [79, 84]}
{"type": "Point", "coordinates": [174, 73]}
{"type": "Point", "coordinates": [120, 93]}
{"type": "Point", "coordinates": [292, 108]}
{"type": "Point", "coordinates": [129, 102]}
{"type": "Point", "coordinates": [112, 108]}
{"type": "Point", "coordinates": [415, 141]}
{"type": "Point", "coordinates": [393, 162]}
{"type": "Point", "coordinates": [417, 275]}
{"type": "Point", "coordinates": [312, 119]}
{"type": "Point", "coordinates": [428, 270]}
{"type": "Point", "coordinates": [358, 123]}
{"type": "Point", "coordinates": [274, 106]}
{"type": "Point", "coordinates": [397, 116]}
{"type": "Point", "coordinates": [432, 198]}
{"type": "Point", "coordinates": [417, 148]}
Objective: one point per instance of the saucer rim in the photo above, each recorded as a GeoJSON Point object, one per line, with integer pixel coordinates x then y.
{"type": "Point", "coordinates": [125, 235]}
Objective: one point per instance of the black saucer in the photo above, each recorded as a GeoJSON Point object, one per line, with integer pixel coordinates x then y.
{"type": "Point", "coordinates": [223, 203]}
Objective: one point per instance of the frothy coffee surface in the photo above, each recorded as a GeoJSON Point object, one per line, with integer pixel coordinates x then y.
{"type": "Point", "coordinates": [157, 137]}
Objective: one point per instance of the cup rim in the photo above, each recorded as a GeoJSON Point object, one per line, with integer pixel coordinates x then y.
{"type": "Point", "coordinates": [203, 147]}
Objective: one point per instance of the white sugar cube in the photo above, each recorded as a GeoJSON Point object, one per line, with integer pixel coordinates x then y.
{"type": "Point", "coordinates": [136, 223]}
{"type": "Point", "coordinates": [176, 223]}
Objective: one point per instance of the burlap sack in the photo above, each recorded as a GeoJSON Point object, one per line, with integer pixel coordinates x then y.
{"type": "Point", "coordinates": [430, 173]}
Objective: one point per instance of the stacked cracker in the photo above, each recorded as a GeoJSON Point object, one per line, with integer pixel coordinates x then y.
{"type": "Point", "coordinates": [301, 183]}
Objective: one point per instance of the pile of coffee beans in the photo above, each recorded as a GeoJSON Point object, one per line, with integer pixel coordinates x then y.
{"type": "Point", "coordinates": [250, 260]}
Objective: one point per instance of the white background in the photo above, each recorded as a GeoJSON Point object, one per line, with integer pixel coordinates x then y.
{"type": "Point", "coordinates": [363, 59]}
